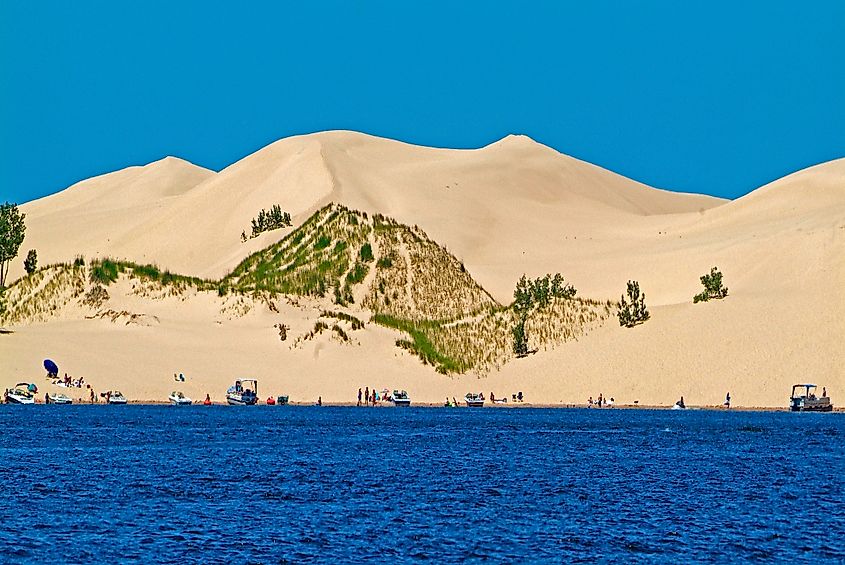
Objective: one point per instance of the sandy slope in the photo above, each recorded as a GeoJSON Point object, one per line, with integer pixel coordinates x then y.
{"type": "Point", "coordinates": [512, 207]}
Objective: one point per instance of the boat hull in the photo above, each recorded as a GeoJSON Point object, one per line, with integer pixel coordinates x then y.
{"type": "Point", "coordinates": [475, 403]}
{"type": "Point", "coordinates": [15, 399]}
{"type": "Point", "coordinates": [240, 401]}
{"type": "Point", "coordinates": [402, 402]}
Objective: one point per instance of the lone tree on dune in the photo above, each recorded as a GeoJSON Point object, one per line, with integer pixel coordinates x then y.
{"type": "Point", "coordinates": [12, 231]}
{"type": "Point", "coordinates": [713, 287]}
{"type": "Point", "coordinates": [31, 262]}
{"type": "Point", "coordinates": [633, 310]}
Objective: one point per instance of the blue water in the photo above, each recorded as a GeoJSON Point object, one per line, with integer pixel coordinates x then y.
{"type": "Point", "coordinates": [291, 484]}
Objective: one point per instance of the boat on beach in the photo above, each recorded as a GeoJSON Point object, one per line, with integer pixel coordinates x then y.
{"type": "Point", "coordinates": [474, 400]}
{"type": "Point", "coordinates": [21, 394]}
{"type": "Point", "coordinates": [58, 398]}
{"type": "Point", "coordinates": [115, 397]}
{"type": "Point", "coordinates": [808, 402]}
{"type": "Point", "coordinates": [401, 398]}
{"type": "Point", "coordinates": [178, 398]}
{"type": "Point", "coordinates": [240, 395]}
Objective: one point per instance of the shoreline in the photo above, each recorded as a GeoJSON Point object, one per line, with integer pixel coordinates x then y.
{"type": "Point", "coordinates": [514, 406]}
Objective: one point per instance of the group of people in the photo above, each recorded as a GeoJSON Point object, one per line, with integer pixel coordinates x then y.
{"type": "Point", "coordinates": [67, 381]}
{"type": "Point", "coordinates": [601, 401]}
{"type": "Point", "coordinates": [369, 397]}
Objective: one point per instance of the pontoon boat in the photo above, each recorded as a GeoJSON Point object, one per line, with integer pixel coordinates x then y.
{"type": "Point", "coordinates": [808, 402]}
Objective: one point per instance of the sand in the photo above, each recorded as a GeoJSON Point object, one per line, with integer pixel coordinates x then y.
{"type": "Point", "coordinates": [510, 208]}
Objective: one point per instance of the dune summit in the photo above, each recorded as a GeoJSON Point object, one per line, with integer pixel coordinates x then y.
{"type": "Point", "coordinates": [398, 267]}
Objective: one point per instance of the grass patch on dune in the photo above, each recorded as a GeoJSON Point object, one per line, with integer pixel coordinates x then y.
{"type": "Point", "coordinates": [420, 344]}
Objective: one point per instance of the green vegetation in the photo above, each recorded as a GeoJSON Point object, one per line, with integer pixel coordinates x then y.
{"type": "Point", "coordinates": [267, 221]}
{"type": "Point", "coordinates": [713, 287]}
{"type": "Point", "coordinates": [420, 343]}
{"type": "Point", "coordinates": [12, 230]}
{"type": "Point", "coordinates": [520, 339]}
{"type": "Point", "coordinates": [367, 253]}
{"type": "Point", "coordinates": [535, 293]}
{"type": "Point", "coordinates": [31, 262]}
{"type": "Point", "coordinates": [305, 263]}
{"type": "Point", "coordinates": [79, 261]}
{"type": "Point", "coordinates": [354, 322]}
{"type": "Point", "coordinates": [104, 271]}
{"type": "Point", "coordinates": [417, 287]}
{"type": "Point", "coordinates": [633, 310]}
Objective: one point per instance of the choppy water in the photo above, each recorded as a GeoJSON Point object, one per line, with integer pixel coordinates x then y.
{"type": "Point", "coordinates": [277, 484]}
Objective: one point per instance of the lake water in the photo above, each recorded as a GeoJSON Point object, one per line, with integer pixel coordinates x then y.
{"type": "Point", "coordinates": [293, 484]}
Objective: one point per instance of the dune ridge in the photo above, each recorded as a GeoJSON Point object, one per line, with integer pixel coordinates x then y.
{"type": "Point", "coordinates": [509, 208]}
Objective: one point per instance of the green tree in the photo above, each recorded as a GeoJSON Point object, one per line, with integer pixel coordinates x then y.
{"type": "Point", "coordinates": [713, 287]}
{"type": "Point", "coordinates": [12, 229]}
{"type": "Point", "coordinates": [31, 262]}
{"type": "Point", "coordinates": [632, 311]}
{"type": "Point", "coordinates": [520, 339]}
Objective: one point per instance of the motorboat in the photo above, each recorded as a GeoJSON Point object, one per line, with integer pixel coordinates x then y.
{"type": "Point", "coordinates": [401, 398]}
{"type": "Point", "coordinates": [239, 394]}
{"type": "Point", "coordinates": [115, 397]}
{"type": "Point", "coordinates": [271, 401]}
{"type": "Point", "coordinates": [58, 398]}
{"type": "Point", "coordinates": [178, 398]}
{"type": "Point", "coordinates": [283, 400]}
{"type": "Point", "coordinates": [474, 400]}
{"type": "Point", "coordinates": [21, 394]}
{"type": "Point", "coordinates": [809, 402]}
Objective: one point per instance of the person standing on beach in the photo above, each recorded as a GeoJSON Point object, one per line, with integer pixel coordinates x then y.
{"type": "Point", "coordinates": [359, 397]}
{"type": "Point", "coordinates": [728, 400]}
{"type": "Point", "coordinates": [366, 395]}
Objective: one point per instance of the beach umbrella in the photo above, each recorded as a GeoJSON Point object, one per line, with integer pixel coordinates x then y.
{"type": "Point", "coordinates": [51, 367]}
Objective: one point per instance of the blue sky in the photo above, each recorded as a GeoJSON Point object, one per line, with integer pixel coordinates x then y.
{"type": "Point", "coordinates": [714, 97]}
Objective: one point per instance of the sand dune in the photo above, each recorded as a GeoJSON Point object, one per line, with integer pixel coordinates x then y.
{"type": "Point", "coordinates": [509, 208]}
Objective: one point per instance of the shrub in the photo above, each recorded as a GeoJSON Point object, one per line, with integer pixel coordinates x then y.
{"type": "Point", "coordinates": [266, 221]}
{"type": "Point", "coordinates": [31, 262]}
{"type": "Point", "coordinates": [322, 242]}
{"type": "Point", "coordinates": [104, 271]}
{"type": "Point", "coordinates": [633, 310]}
{"type": "Point", "coordinates": [367, 253]}
{"type": "Point", "coordinates": [79, 261]}
{"type": "Point", "coordinates": [357, 274]}
{"type": "Point", "coordinates": [384, 263]}
{"type": "Point", "coordinates": [713, 287]}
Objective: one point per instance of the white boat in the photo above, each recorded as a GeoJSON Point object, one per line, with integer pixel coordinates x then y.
{"type": "Point", "coordinates": [115, 397]}
{"type": "Point", "coordinates": [401, 398]}
{"type": "Point", "coordinates": [58, 398]}
{"type": "Point", "coordinates": [240, 395]}
{"type": "Point", "coordinates": [21, 394]}
{"type": "Point", "coordinates": [177, 398]}
{"type": "Point", "coordinates": [809, 402]}
{"type": "Point", "coordinates": [474, 400]}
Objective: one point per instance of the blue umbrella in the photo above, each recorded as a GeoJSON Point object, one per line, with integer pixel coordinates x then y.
{"type": "Point", "coordinates": [51, 367]}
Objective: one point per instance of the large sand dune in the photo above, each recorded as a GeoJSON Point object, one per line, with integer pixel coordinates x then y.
{"type": "Point", "coordinates": [509, 208]}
